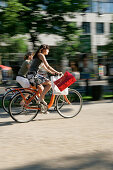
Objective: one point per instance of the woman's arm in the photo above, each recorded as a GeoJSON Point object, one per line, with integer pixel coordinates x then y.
{"type": "Point", "coordinates": [27, 64]}
{"type": "Point", "coordinates": [48, 67]}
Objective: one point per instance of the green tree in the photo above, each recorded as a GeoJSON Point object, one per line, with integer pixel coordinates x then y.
{"type": "Point", "coordinates": [39, 16]}
{"type": "Point", "coordinates": [13, 45]}
{"type": "Point", "coordinates": [69, 46]}
{"type": "Point", "coordinates": [109, 47]}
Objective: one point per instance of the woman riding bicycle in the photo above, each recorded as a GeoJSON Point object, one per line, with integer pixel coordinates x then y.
{"type": "Point", "coordinates": [21, 77]}
{"type": "Point", "coordinates": [34, 75]}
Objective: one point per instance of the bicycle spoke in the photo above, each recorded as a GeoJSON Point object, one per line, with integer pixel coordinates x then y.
{"type": "Point", "coordinates": [21, 110]}
{"type": "Point", "coordinates": [70, 105]}
{"type": "Point", "coordinates": [6, 99]}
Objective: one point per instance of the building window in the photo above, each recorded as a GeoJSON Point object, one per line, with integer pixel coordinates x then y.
{"type": "Point", "coordinates": [86, 27]}
{"type": "Point", "coordinates": [111, 27]}
{"type": "Point", "coordinates": [100, 6]}
{"type": "Point", "coordinates": [99, 28]}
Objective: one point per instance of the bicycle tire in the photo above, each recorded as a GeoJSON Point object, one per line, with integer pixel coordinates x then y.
{"type": "Point", "coordinates": [72, 106]}
{"type": "Point", "coordinates": [26, 115]}
{"type": "Point", "coordinates": [5, 102]}
{"type": "Point", "coordinates": [6, 99]}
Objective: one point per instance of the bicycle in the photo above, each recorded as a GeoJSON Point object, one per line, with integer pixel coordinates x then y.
{"type": "Point", "coordinates": [10, 91]}
{"type": "Point", "coordinates": [67, 106]}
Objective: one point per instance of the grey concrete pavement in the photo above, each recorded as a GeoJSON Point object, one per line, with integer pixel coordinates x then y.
{"type": "Point", "coordinates": [54, 143]}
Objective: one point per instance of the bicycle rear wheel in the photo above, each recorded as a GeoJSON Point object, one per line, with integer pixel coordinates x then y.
{"type": "Point", "coordinates": [70, 105]}
{"type": "Point", "coordinates": [6, 99]}
{"type": "Point", "coordinates": [23, 112]}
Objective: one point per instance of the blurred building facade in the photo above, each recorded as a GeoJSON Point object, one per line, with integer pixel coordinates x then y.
{"type": "Point", "coordinates": [97, 22]}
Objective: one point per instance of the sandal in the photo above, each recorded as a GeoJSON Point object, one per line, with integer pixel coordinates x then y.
{"type": "Point", "coordinates": [43, 102]}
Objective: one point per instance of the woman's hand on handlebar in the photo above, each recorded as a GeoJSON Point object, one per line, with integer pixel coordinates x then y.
{"type": "Point", "coordinates": [58, 73]}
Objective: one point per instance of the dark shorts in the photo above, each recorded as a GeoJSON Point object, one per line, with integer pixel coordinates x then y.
{"type": "Point", "coordinates": [36, 79]}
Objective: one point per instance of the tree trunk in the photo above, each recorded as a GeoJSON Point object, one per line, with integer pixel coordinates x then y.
{"type": "Point", "coordinates": [33, 40]}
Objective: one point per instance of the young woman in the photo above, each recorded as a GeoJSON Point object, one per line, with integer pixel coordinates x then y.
{"type": "Point", "coordinates": [35, 77]}
{"type": "Point", "coordinates": [21, 77]}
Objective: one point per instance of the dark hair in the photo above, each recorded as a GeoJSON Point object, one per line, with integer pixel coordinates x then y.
{"type": "Point", "coordinates": [43, 46]}
{"type": "Point", "coordinates": [84, 56]}
{"type": "Point", "coordinates": [27, 55]}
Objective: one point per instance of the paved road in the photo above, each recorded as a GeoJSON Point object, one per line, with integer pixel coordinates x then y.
{"type": "Point", "coordinates": [54, 143]}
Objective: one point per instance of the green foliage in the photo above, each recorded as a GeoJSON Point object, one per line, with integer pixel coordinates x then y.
{"type": "Point", "coordinates": [39, 16]}
{"type": "Point", "coordinates": [13, 45]}
{"type": "Point", "coordinates": [10, 17]}
{"type": "Point", "coordinates": [70, 45]}
{"type": "Point", "coordinates": [85, 44]}
{"type": "Point", "coordinates": [18, 45]}
{"type": "Point", "coordinates": [109, 47]}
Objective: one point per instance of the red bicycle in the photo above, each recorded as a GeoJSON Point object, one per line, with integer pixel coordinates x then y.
{"type": "Point", "coordinates": [67, 106]}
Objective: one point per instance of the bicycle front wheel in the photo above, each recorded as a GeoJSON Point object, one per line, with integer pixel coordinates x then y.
{"type": "Point", "coordinates": [20, 110]}
{"type": "Point", "coordinates": [70, 105]}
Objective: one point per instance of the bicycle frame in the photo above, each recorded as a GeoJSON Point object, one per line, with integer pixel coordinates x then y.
{"type": "Point", "coordinates": [33, 90]}
{"type": "Point", "coordinates": [31, 98]}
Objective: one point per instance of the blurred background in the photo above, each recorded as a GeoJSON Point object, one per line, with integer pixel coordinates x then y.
{"type": "Point", "coordinates": [79, 33]}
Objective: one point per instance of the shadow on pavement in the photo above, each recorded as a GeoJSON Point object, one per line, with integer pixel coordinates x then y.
{"type": "Point", "coordinates": [4, 114]}
{"type": "Point", "coordinates": [13, 122]}
{"type": "Point", "coordinates": [97, 160]}
{"type": "Point", "coordinates": [50, 119]}
{"type": "Point", "coordinates": [7, 123]}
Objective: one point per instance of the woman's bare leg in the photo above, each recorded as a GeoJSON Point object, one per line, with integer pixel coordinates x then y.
{"type": "Point", "coordinates": [40, 88]}
{"type": "Point", "coordinates": [46, 89]}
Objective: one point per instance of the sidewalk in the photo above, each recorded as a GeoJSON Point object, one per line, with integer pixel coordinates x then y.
{"type": "Point", "coordinates": [51, 142]}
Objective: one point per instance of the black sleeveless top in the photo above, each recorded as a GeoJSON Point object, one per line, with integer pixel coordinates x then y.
{"type": "Point", "coordinates": [35, 64]}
